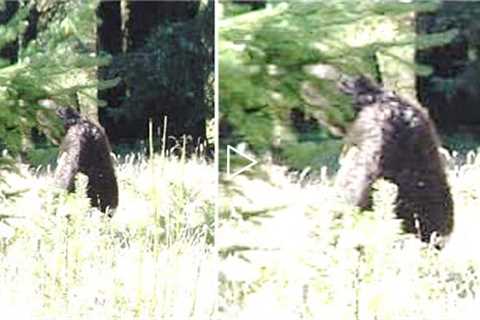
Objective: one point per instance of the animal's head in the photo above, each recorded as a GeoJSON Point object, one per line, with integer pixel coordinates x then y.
{"type": "Point", "coordinates": [362, 89]}
{"type": "Point", "coordinates": [69, 116]}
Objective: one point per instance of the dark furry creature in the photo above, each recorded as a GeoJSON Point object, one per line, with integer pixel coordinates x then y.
{"type": "Point", "coordinates": [397, 141]}
{"type": "Point", "coordinates": [86, 149]}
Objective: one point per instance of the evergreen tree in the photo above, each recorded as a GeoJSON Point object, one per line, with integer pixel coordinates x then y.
{"type": "Point", "coordinates": [47, 65]}
{"type": "Point", "coordinates": [279, 68]}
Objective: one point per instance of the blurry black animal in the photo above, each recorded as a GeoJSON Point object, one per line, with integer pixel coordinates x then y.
{"type": "Point", "coordinates": [85, 148]}
{"type": "Point", "coordinates": [396, 141]}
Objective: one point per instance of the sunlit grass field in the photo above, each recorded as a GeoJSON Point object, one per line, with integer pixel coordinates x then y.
{"type": "Point", "coordinates": [60, 259]}
{"type": "Point", "coordinates": [289, 249]}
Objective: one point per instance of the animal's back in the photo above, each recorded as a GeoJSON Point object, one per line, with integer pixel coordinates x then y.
{"type": "Point", "coordinates": [86, 149]}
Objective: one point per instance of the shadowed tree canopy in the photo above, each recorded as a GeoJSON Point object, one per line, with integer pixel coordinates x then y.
{"type": "Point", "coordinates": [451, 91]}
{"type": "Point", "coordinates": [163, 53]}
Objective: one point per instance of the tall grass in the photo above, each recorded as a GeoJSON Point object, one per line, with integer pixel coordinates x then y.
{"type": "Point", "coordinates": [291, 250]}
{"type": "Point", "coordinates": [61, 259]}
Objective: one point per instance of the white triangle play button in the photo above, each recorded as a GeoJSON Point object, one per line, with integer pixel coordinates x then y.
{"type": "Point", "coordinates": [230, 174]}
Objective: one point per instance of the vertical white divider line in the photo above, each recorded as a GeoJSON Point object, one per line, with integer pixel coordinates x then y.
{"type": "Point", "coordinates": [217, 154]}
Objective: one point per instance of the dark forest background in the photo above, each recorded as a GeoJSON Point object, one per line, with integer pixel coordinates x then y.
{"type": "Point", "coordinates": [123, 63]}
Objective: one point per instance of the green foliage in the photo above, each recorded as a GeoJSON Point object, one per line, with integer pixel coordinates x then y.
{"type": "Point", "coordinates": [313, 155]}
{"type": "Point", "coordinates": [461, 144]}
{"type": "Point", "coordinates": [43, 157]}
{"type": "Point", "coordinates": [16, 25]}
{"type": "Point", "coordinates": [47, 66]}
{"type": "Point", "coordinates": [291, 56]}
{"type": "Point", "coordinates": [231, 8]}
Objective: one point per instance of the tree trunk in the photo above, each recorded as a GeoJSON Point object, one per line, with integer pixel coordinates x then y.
{"type": "Point", "coordinates": [109, 40]}
{"type": "Point", "coordinates": [10, 51]}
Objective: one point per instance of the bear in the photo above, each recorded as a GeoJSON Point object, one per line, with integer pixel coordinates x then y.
{"type": "Point", "coordinates": [396, 140]}
{"type": "Point", "coordinates": [86, 149]}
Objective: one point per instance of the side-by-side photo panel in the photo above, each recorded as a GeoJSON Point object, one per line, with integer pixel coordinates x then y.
{"type": "Point", "coordinates": [108, 180]}
{"type": "Point", "coordinates": [348, 159]}
{"type": "Point", "coordinates": [237, 159]}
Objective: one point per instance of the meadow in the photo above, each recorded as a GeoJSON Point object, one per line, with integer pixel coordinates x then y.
{"type": "Point", "coordinates": [290, 249]}
{"type": "Point", "coordinates": [61, 259]}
